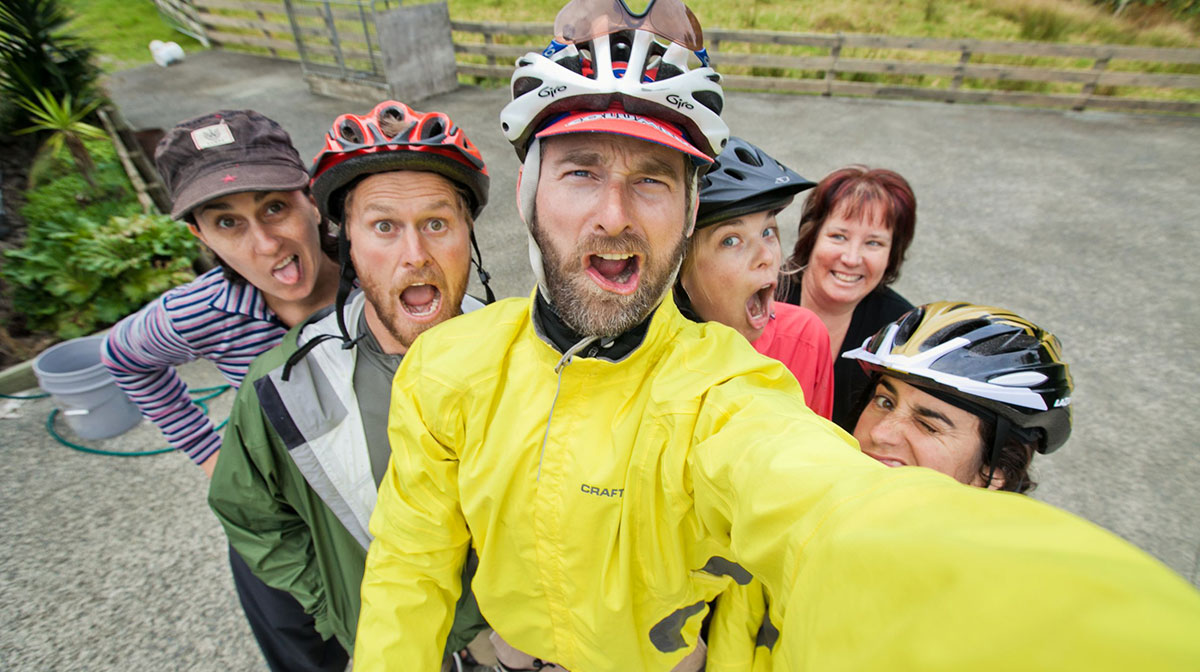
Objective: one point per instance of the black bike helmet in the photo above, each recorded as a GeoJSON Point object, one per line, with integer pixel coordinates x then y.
{"type": "Point", "coordinates": [986, 360]}
{"type": "Point", "coordinates": [743, 180]}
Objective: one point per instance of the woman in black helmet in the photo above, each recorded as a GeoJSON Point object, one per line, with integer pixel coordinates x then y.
{"type": "Point", "coordinates": [732, 265]}
{"type": "Point", "coordinates": [971, 391]}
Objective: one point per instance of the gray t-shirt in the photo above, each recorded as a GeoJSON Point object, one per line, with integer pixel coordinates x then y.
{"type": "Point", "coordinates": [374, 370]}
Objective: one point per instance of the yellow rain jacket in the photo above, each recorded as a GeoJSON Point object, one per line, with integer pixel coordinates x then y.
{"type": "Point", "coordinates": [610, 501]}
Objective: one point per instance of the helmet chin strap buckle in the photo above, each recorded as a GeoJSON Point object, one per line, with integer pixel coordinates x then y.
{"type": "Point", "coordinates": [484, 276]}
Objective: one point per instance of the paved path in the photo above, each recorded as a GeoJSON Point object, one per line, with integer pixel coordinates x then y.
{"type": "Point", "coordinates": [1086, 223]}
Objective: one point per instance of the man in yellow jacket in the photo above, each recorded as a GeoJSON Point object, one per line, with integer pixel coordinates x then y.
{"type": "Point", "coordinates": [617, 467]}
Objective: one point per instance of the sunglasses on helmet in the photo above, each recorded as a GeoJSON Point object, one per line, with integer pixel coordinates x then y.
{"type": "Point", "coordinates": [583, 20]}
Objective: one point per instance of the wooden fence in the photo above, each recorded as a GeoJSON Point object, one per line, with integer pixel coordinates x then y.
{"type": "Point", "coordinates": [1111, 77]}
{"type": "Point", "coordinates": [339, 34]}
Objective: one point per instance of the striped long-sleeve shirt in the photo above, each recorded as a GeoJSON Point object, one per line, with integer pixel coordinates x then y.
{"type": "Point", "coordinates": [208, 318]}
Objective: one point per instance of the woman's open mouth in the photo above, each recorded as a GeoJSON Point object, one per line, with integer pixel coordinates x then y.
{"type": "Point", "coordinates": [758, 306]}
{"type": "Point", "coordinates": [616, 272]}
{"type": "Point", "coordinates": [288, 270]}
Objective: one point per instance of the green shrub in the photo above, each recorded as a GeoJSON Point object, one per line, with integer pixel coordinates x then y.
{"type": "Point", "coordinates": [91, 257]}
{"type": "Point", "coordinates": [59, 189]}
{"type": "Point", "coordinates": [78, 275]}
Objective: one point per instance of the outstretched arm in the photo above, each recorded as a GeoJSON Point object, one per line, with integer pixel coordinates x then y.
{"type": "Point", "coordinates": [141, 352]}
{"type": "Point", "coordinates": [874, 568]}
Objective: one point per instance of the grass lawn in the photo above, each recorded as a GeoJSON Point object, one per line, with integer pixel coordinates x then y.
{"type": "Point", "coordinates": [121, 31]}
{"type": "Point", "coordinates": [1047, 20]}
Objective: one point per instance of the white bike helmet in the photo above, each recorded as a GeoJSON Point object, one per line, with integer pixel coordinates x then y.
{"type": "Point", "coordinates": [605, 55]}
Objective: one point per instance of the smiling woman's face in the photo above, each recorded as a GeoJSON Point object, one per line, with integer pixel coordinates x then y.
{"type": "Point", "coordinates": [904, 426]}
{"type": "Point", "coordinates": [848, 259]}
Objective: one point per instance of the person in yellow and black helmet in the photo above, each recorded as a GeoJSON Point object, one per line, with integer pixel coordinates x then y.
{"type": "Point", "coordinates": [971, 391]}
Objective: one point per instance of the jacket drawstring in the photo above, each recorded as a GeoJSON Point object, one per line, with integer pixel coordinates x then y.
{"type": "Point", "coordinates": [558, 368]}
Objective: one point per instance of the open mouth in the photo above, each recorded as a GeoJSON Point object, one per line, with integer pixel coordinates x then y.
{"type": "Point", "coordinates": [421, 300]}
{"type": "Point", "coordinates": [846, 277]}
{"type": "Point", "coordinates": [615, 271]}
{"type": "Point", "coordinates": [758, 306]}
{"type": "Point", "coordinates": [288, 270]}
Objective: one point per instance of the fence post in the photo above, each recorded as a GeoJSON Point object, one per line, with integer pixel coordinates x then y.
{"type": "Point", "coordinates": [333, 38]}
{"type": "Point", "coordinates": [963, 59]}
{"type": "Point", "coordinates": [1088, 89]}
{"type": "Point", "coordinates": [835, 52]}
{"type": "Point", "coordinates": [266, 33]}
{"type": "Point", "coordinates": [362, 17]}
{"type": "Point", "coordinates": [287, 5]}
{"type": "Point", "coordinates": [487, 39]}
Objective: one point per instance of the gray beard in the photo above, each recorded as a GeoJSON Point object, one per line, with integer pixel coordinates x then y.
{"type": "Point", "coordinates": [591, 311]}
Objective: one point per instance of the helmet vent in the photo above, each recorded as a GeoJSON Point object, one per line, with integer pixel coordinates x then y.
{"type": "Point", "coordinates": [392, 113]}
{"type": "Point", "coordinates": [909, 324]}
{"type": "Point", "coordinates": [667, 71]}
{"type": "Point", "coordinates": [710, 99]}
{"type": "Point", "coordinates": [1005, 343]}
{"type": "Point", "coordinates": [351, 133]}
{"type": "Point", "coordinates": [736, 174]}
{"type": "Point", "coordinates": [524, 85]}
{"type": "Point", "coordinates": [433, 129]}
{"type": "Point", "coordinates": [956, 330]}
{"type": "Point", "coordinates": [748, 156]}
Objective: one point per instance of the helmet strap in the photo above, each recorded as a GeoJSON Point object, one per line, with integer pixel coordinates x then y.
{"type": "Point", "coordinates": [1000, 437]}
{"type": "Point", "coordinates": [527, 180]}
{"type": "Point", "coordinates": [346, 280]}
{"type": "Point", "coordinates": [484, 276]}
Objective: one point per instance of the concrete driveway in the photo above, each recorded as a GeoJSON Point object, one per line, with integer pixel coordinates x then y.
{"type": "Point", "coordinates": [1085, 223]}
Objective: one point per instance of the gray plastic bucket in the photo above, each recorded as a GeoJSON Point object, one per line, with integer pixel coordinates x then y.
{"type": "Point", "coordinates": [91, 402]}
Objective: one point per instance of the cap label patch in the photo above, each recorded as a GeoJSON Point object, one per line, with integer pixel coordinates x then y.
{"type": "Point", "coordinates": [212, 136]}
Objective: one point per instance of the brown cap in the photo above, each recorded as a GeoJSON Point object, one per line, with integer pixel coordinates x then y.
{"type": "Point", "coordinates": [226, 152]}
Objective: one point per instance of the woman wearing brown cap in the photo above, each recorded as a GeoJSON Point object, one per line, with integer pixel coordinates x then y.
{"type": "Point", "coordinates": [238, 183]}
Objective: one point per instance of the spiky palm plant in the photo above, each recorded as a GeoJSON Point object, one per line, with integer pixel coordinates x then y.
{"type": "Point", "coordinates": [37, 53]}
{"type": "Point", "coordinates": [64, 120]}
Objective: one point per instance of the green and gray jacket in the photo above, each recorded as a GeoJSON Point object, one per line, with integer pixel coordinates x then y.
{"type": "Point", "coordinates": [293, 486]}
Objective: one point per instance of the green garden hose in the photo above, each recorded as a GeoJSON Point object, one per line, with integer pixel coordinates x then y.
{"type": "Point", "coordinates": [212, 393]}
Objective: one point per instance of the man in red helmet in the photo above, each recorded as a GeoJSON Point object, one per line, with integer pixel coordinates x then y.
{"type": "Point", "coordinates": [307, 445]}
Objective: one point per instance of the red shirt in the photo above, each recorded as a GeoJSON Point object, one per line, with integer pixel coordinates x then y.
{"type": "Point", "coordinates": [798, 338]}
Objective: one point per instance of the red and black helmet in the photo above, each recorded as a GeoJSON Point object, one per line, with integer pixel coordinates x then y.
{"type": "Point", "coordinates": [390, 137]}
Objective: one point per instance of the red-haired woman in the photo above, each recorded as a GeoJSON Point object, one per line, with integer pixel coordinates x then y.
{"type": "Point", "coordinates": [854, 230]}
